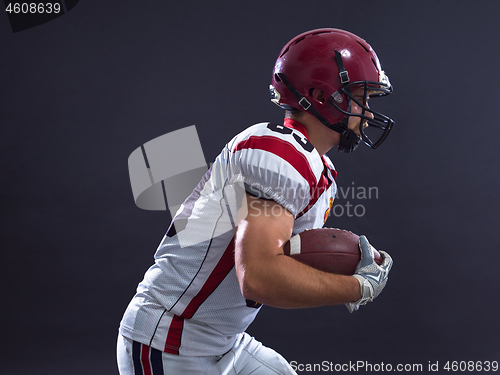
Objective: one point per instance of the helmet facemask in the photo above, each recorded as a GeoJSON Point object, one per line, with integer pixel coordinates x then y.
{"type": "Point", "coordinates": [376, 122]}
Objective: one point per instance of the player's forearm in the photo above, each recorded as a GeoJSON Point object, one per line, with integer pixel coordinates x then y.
{"type": "Point", "coordinates": [285, 283]}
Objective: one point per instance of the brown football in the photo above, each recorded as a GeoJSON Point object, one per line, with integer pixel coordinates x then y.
{"type": "Point", "coordinates": [328, 249]}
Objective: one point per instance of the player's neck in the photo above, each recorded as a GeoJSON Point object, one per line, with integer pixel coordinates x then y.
{"type": "Point", "coordinates": [322, 138]}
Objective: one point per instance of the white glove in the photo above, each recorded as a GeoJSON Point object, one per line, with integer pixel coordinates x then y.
{"type": "Point", "coordinates": [372, 277]}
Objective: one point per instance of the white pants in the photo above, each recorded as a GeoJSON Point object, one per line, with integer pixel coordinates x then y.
{"type": "Point", "coordinates": [248, 356]}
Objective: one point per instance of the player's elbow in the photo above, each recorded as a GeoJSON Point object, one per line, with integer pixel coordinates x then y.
{"type": "Point", "coordinates": [250, 293]}
{"type": "Point", "coordinates": [252, 286]}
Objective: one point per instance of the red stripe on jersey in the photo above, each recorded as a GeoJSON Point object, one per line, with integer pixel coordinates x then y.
{"type": "Point", "coordinates": [146, 365]}
{"type": "Point", "coordinates": [173, 342]}
{"type": "Point", "coordinates": [334, 174]}
{"type": "Point", "coordinates": [225, 264]}
{"type": "Point", "coordinates": [324, 184]}
{"type": "Point", "coordinates": [332, 171]}
{"type": "Point", "coordinates": [285, 151]}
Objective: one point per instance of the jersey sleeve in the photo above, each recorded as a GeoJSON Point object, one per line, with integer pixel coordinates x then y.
{"type": "Point", "coordinates": [279, 162]}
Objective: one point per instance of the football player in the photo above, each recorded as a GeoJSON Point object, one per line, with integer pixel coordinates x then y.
{"type": "Point", "coordinates": [222, 256]}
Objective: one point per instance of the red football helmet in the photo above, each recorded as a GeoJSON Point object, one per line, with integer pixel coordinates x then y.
{"type": "Point", "coordinates": [338, 62]}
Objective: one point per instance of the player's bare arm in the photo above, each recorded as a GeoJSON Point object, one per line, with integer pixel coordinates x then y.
{"type": "Point", "coordinates": [269, 277]}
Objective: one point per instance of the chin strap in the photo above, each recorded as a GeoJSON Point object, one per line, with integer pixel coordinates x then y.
{"type": "Point", "coordinates": [349, 141]}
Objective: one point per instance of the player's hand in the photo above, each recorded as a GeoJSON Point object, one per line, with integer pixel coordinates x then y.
{"type": "Point", "coordinates": [372, 277]}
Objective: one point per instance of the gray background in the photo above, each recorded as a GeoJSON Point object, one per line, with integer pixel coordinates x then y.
{"type": "Point", "coordinates": [80, 93]}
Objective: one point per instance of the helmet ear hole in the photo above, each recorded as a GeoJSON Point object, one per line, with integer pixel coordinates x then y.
{"type": "Point", "coordinates": [317, 94]}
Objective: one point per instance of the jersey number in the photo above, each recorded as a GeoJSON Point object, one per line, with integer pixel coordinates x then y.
{"type": "Point", "coordinates": [306, 145]}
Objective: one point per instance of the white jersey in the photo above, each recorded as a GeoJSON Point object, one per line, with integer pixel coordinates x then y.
{"type": "Point", "coordinates": [190, 302]}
